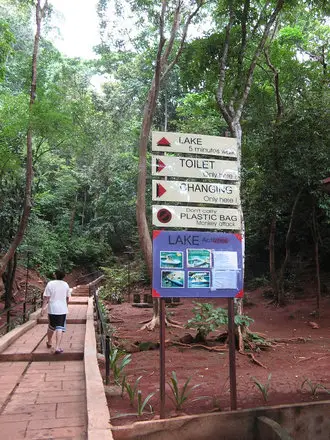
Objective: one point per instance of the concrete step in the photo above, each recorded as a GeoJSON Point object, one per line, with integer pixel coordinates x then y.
{"type": "Point", "coordinates": [41, 357]}
{"type": "Point", "coordinates": [44, 320]}
{"type": "Point", "coordinates": [78, 300]}
{"type": "Point", "coordinates": [32, 345]}
{"type": "Point", "coordinates": [80, 292]}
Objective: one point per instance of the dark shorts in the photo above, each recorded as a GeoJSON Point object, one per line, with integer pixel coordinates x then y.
{"type": "Point", "coordinates": [57, 322]}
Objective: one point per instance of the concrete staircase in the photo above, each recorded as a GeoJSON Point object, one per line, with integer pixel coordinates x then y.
{"type": "Point", "coordinates": [80, 291]}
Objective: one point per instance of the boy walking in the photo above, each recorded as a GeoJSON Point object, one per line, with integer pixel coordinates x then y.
{"type": "Point", "coordinates": [56, 297]}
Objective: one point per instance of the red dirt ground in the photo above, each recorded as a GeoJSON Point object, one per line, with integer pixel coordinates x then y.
{"type": "Point", "coordinates": [289, 363]}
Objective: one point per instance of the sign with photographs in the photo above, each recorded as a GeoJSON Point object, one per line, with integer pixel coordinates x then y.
{"type": "Point", "coordinates": [197, 264]}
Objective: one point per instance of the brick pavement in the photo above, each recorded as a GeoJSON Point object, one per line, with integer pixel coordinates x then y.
{"type": "Point", "coordinates": [44, 399]}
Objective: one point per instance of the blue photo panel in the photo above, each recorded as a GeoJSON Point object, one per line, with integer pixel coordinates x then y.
{"type": "Point", "coordinates": [198, 264]}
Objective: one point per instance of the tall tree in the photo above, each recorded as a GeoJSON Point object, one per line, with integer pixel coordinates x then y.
{"type": "Point", "coordinates": [168, 54]}
{"type": "Point", "coordinates": [40, 11]}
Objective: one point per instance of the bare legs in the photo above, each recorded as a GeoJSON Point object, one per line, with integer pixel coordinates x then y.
{"type": "Point", "coordinates": [49, 337]}
{"type": "Point", "coordinates": [58, 339]}
{"type": "Point", "coordinates": [59, 335]}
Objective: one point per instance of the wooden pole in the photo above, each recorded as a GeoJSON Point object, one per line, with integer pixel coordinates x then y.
{"type": "Point", "coordinates": [162, 356]}
{"type": "Point", "coordinates": [232, 354]}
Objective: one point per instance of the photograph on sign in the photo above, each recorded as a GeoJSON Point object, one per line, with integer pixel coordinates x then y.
{"type": "Point", "coordinates": [194, 143]}
{"type": "Point", "coordinates": [195, 192]}
{"type": "Point", "coordinates": [196, 217]}
{"type": "Point", "coordinates": [199, 280]}
{"type": "Point", "coordinates": [198, 277]}
{"type": "Point", "coordinates": [173, 279]}
{"type": "Point", "coordinates": [171, 259]}
{"type": "Point", "coordinates": [199, 258]}
{"type": "Point", "coordinates": [198, 168]}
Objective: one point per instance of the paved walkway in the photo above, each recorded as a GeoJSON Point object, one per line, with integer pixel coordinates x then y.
{"type": "Point", "coordinates": [42, 395]}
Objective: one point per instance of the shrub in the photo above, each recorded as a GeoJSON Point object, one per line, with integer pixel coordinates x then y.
{"type": "Point", "coordinates": [207, 319]}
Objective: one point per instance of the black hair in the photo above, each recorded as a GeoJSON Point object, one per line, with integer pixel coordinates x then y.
{"type": "Point", "coordinates": [59, 274]}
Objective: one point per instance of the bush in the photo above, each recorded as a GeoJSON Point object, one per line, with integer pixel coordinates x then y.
{"type": "Point", "coordinates": [208, 319]}
{"type": "Point", "coordinates": [117, 281]}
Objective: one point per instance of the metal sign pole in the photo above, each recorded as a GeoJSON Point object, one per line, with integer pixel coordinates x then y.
{"type": "Point", "coordinates": [162, 356]}
{"type": "Point", "coordinates": [232, 354]}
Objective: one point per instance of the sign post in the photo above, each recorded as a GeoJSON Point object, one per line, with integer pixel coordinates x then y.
{"type": "Point", "coordinates": [193, 257]}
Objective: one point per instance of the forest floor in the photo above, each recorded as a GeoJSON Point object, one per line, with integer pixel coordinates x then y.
{"type": "Point", "coordinates": [302, 351]}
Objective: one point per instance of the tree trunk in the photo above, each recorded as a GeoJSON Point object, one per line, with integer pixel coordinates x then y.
{"type": "Point", "coordinates": [288, 238]}
{"type": "Point", "coordinates": [29, 167]}
{"type": "Point", "coordinates": [162, 69]}
{"type": "Point", "coordinates": [317, 262]}
{"type": "Point", "coordinates": [272, 266]}
{"type": "Point", "coordinates": [8, 278]}
{"type": "Point", "coordinates": [73, 214]}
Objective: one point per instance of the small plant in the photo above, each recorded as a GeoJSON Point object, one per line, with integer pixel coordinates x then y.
{"type": "Point", "coordinates": [142, 404]}
{"type": "Point", "coordinates": [180, 396]}
{"type": "Point", "coordinates": [206, 319]}
{"type": "Point", "coordinates": [314, 386]}
{"type": "Point", "coordinates": [131, 390]}
{"type": "Point", "coordinates": [263, 388]}
{"type": "Point", "coordinates": [117, 363]}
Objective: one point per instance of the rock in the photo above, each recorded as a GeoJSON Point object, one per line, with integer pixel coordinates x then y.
{"type": "Point", "coordinates": [100, 357]}
{"type": "Point", "coordinates": [112, 390]}
{"type": "Point", "coordinates": [314, 325]}
{"type": "Point", "coordinates": [145, 346]}
{"type": "Point", "coordinates": [187, 339]}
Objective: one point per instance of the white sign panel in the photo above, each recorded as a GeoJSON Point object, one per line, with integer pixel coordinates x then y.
{"type": "Point", "coordinates": [194, 143]}
{"type": "Point", "coordinates": [194, 192]}
{"type": "Point", "coordinates": [199, 168]}
{"type": "Point", "coordinates": [195, 217]}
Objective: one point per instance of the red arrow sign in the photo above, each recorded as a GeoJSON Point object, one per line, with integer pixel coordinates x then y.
{"type": "Point", "coordinates": [159, 165]}
{"type": "Point", "coordinates": [160, 190]}
{"type": "Point", "coordinates": [163, 143]}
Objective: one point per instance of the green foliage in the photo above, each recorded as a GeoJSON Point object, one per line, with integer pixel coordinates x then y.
{"type": "Point", "coordinates": [131, 389]}
{"type": "Point", "coordinates": [263, 388]}
{"type": "Point", "coordinates": [6, 46]}
{"type": "Point", "coordinates": [207, 319]}
{"type": "Point", "coordinates": [180, 396]}
{"type": "Point", "coordinates": [314, 387]}
{"type": "Point", "coordinates": [118, 362]}
{"type": "Point", "coordinates": [117, 280]}
{"type": "Point", "coordinates": [141, 404]}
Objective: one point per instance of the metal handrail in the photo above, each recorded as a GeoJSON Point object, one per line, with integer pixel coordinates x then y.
{"type": "Point", "coordinates": [12, 322]}
{"type": "Point", "coordinates": [103, 330]}
{"type": "Point", "coordinates": [90, 277]}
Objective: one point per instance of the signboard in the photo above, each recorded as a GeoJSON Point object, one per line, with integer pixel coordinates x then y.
{"type": "Point", "coordinates": [195, 192]}
{"type": "Point", "coordinates": [197, 264]}
{"type": "Point", "coordinates": [196, 217]}
{"type": "Point", "coordinates": [194, 143]}
{"type": "Point", "coordinates": [199, 168]}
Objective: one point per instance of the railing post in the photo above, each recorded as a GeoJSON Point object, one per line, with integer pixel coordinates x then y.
{"type": "Point", "coordinates": [107, 360]}
{"type": "Point", "coordinates": [8, 321]}
{"type": "Point", "coordinates": [34, 302]}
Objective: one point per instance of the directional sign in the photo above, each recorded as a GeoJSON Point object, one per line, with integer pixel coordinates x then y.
{"type": "Point", "coordinates": [199, 168]}
{"type": "Point", "coordinates": [196, 217]}
{"type": "Point", "coordinates": [194, 143]}
{"type": "Point", "coordinates": [194, 192]}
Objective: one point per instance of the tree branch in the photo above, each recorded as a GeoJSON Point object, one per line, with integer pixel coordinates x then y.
{"type": "Point", "coordinates": [183, 39]}
{"type": "Point", "coordinates": [257, 53]}
{"type": "Point", "coordinates": [222, 72]}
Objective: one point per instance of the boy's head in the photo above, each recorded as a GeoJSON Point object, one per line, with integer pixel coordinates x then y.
{"type": "Point", "coordinates": [59, 274]}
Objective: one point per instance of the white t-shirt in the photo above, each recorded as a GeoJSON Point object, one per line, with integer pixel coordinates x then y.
{"type": "Point", "coordinates": [57, 291]}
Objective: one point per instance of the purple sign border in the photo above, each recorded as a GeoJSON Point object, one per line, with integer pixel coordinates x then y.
{"type": "Point", "coordinates": [180, 241]}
